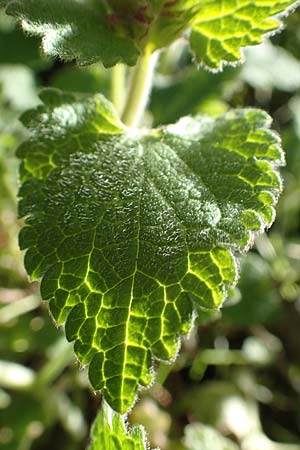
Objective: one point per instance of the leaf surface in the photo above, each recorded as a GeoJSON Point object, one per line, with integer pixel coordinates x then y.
{"type": "Point", "coordinates": [88, 31]}
{"type": "Point", "coordinates": [109, 432]}
{"type": "Point", "coordinates": [223, 27]}
{"type": "Point", "coordinates": [132, 233]}
{"type": "Point", "coordinates": [73, 30]}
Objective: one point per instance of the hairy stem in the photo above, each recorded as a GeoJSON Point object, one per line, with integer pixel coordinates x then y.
{"type": "Point", "coordinates": [139, 90]}
{"type": "Point", "coordinates": [118, 87]}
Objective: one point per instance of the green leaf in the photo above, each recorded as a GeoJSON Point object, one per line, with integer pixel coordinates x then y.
{"type": "Point", "coordinates": [73, 30]}
{"type": "Point", "coordinates": [109, 432]}
{"type": "Point", "coordinates": [222, 28]}
{"type": "Point", "coordinates": [90, 31]}
{"type": "Point", "coordinates": [17, 48]}
{"type": "Point", "coordinates": [132, 231]}
{"type": "Point", "coordinates": [169, 20]}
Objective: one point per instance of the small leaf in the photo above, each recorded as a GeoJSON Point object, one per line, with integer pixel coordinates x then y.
{"type": "Point", "coordinates": [109, 432]}
{"type": "Point", "coordinates": [222, 28]}
{"type": "Point", "coordinates": [132, 233]}
{"type": "Point", "coordinates": [73, 30]}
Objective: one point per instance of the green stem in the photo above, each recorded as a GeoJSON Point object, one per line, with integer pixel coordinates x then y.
{"type": "Point", "coordinates": [118, 87]}
{"type": "Point", "coordinates": [140, 87]}
{"type": "Point", "coordinates": [163, 372]}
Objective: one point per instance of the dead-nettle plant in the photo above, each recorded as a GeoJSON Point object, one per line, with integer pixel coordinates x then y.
{"type": "Point", "coordinates": [133, 232]}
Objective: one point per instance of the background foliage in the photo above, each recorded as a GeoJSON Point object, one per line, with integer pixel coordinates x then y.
{"type": "Point", "coordinates": [236, 383]}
